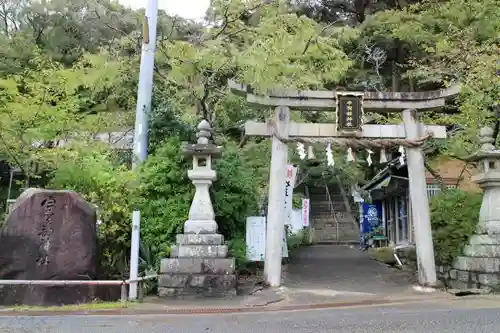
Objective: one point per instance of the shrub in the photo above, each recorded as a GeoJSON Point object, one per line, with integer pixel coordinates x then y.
{"type": "Point", "coordinates": [454, 217]}
{"type": "Point", "coordinates": [238, 251]}
{"type": "Point", "coordinates": [95, 176]}
{"type": "Point", "coordinates": [294, 242]}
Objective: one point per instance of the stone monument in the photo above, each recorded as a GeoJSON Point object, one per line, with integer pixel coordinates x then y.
{"type": "Point", "coordinates": [479, 266]}
{"type": "Point", "coordinates": [48, 235]}
{"type": "Point", "coordinates": [199, 266]}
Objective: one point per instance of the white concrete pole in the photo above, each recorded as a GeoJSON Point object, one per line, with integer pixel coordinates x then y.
{"type": "Point", "coordinates": [419, 203]}
{"type": "Point", "coordinates": [140, 152]}
{"type": "Point", "coordinates": [276, 204]}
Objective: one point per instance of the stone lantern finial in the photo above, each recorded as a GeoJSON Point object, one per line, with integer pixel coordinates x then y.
{"type": "Point", "coordinates": [486, 139]}
{"type": "Point", "coordinates": [204, 132]}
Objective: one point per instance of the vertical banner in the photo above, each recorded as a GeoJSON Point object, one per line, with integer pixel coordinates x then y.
{"type": "Point", "coordinates": [290, 178]}
{"type": "Point", "coordinates": [305, 212]}
{"type": "Point", "coordinates": [291, 175]}
{"type": "Point", "coordinates": [371, 220]}
{"type": "Point", "coordinates": [256, 238]}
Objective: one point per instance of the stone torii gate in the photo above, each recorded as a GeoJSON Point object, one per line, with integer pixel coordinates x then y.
{"type": "Point", "coordinates": [348, 131]}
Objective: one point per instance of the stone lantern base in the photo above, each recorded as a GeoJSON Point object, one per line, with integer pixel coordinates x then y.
{"type": "Point", "coordinates": [199, 267]}
{"type": "Point", "coordinates": [479, 265]}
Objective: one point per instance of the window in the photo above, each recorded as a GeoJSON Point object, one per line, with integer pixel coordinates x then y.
{"type": "Point", "coordinates": [434, 189]}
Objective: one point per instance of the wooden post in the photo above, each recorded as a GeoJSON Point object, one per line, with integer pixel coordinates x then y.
{"type": "Point", "coordinates": [419, 203]}
{"type": "Point", "coordinates": [276, 208]}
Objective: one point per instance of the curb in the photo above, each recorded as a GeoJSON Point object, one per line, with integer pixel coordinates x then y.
{"type": "Point", "coordinates": [221, 310]}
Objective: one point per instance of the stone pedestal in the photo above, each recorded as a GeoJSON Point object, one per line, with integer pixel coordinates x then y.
{"type": "Point", "coordinates": [479, 266]}
{"type": "Point", "coordinates": [199, 266]}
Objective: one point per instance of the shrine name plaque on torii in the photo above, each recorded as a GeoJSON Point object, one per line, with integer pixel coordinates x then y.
{"type": "Point", "coordinates": [348, 131]}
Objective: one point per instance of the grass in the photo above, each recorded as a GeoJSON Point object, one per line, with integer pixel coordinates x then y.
{"type": "Point", "coordinates": [383, 254]}
{"type": "Point", "coordinates": [94, 306]}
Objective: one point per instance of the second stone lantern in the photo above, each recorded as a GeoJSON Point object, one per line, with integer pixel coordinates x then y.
{"type": "Point", "coordinates": [199, 266]}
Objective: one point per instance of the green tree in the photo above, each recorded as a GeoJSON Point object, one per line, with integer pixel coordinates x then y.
{"type": "Point", "coordinates": [95, 175]}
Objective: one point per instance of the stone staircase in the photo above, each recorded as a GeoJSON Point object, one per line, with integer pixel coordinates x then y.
{"type": "Point", "coordinates": [331, 221]}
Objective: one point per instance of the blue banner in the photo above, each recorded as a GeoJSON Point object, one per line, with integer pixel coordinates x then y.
{"type": "Point", "coordinates": [371, 224]}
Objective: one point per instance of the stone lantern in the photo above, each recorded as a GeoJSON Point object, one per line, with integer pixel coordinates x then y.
{"type": "Point", "coordinates": [479, 266]}
{"type": "Point", "coordinates": [198, 265]}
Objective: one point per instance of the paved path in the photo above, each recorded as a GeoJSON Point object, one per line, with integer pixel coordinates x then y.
{"type": "Point", "coordinates": [342, 270]}
{"type": "Point", "coordinates": [414, 318]}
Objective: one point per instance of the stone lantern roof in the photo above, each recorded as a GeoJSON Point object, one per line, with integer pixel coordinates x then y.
{"type": "Point", "coordinates": [487, 159]}
{"type": "Point", "coordinates": [203, 146]}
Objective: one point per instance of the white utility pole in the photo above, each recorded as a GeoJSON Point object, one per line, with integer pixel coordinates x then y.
{"type": "Point", "coordinates": [140, 152]}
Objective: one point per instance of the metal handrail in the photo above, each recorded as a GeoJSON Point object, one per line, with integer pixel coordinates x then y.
{"type": "Point", "coordinates": [332, 210]}
{"type": "Point", "coordinates": [122, 283]}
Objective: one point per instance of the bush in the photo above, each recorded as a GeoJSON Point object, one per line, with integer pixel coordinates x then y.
{"type": "Point", "coordinates": [95, 176]}
{"type": "Point", "coordinates": [238, 251]}
{"type": "Point", "coordinates": [454, 217]}
{"type": "Point", "coordinates": [294, 242]}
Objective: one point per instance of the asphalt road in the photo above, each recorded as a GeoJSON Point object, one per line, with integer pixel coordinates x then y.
{"type": "Point", "coordinates": [416, 318]}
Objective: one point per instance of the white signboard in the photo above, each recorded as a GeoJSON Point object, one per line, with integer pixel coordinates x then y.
{"type": "Point", "coordinates": [296, 225]}
{"type": "Point", "coordinates": [256, 238]}
{"type": "Point", "coordinates": [305, 212]}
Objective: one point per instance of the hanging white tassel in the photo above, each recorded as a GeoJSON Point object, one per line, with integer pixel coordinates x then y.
{"type": "Point", "coordinates": [402, 157]}
{"type": "Point", "coordinates": [369, 158]}
{"type": "Point", "coordinates": [301, 150]}
{"type": "Point", "coordinates": [329, 156]}
{"type": "Point", "coordinates": [310, 153]}
{"type": "Point", "coordinates": [383, 156]}
{"type": "Point", "coordinates": [350, 156]}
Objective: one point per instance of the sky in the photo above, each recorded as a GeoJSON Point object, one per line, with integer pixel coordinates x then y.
{"type": "Point", "coordinates": [190, 9]}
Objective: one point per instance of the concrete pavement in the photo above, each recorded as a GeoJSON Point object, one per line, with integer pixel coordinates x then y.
{"type": "Point", "coordinates": [461, 316]}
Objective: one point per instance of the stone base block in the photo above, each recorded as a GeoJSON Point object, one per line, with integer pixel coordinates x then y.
{"type": "Point", "coordinates": [476, 250]}
{"type": "Point", "coordinates": [196, 285]}
{"type": "Point", "coordinates": [200, 239]}
{"type": "Point", "coordinates": [488, 227]}
{"type": "Point", "coordinates": [484, 265]}
{"type": "Point", "coordinates": [200, 227]}
{"type": "Point", "coordinates": [485, 240]}
{"type": "Point", "coordinates": [221, 266]}
{"type": "Point", "coordinates": [200, 251]}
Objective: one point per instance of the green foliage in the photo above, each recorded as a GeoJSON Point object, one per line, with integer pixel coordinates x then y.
{"type": "Point", "coordinates": [235, 194]}
{"type": "Point", "coordinates": [107, 186]}
{"type": "Point", "coordinates": [454, 217]}
{"type": "Point", "coordinates": [238, 251]}
{"type": "Point", "coordinates": [165, 195]}
{"type": "Point", "coordinates": [294, 242]}
{"type": "Point", "coordinates": [443, 43]}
